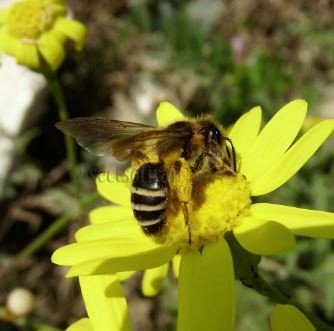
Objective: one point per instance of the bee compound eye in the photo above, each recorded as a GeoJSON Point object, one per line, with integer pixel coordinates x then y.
{"type": "Point", "coordinates": [214, 135]}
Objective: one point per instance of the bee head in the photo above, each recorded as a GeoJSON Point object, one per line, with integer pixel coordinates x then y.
{"type": "Point", "coordinates": [211, 133]}
{"type": "Point", "coordinates": [215, 145]}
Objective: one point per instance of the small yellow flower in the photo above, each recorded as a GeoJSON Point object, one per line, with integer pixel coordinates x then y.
{"type": "Point", "coordinates": [30, 29]}
{"type": "Point", "coordinates": [83, 324]}
{"type": "Point", "coordinates": [289, 318]}
{"type": "Point", "coordinates": [267, 159]}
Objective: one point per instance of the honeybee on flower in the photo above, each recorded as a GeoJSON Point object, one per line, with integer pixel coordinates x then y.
{"type": "Point", "coordinates": [266, 159]}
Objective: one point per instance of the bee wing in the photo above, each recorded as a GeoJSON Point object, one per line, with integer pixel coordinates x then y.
{"type": "Point", "coordinates": [104, 136]}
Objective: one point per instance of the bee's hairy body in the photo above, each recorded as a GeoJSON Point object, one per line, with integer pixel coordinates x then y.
{"type": "Point", "coordinates": [177, 163]}
{"type": "Point", "coordinates": [168, 160]}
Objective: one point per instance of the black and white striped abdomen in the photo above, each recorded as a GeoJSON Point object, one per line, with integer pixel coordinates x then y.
{"type": "Point", "coordinates": [149, 197]}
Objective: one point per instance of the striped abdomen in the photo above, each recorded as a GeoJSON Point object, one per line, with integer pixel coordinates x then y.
{"type": "Point", "coordinates": [149, 197]}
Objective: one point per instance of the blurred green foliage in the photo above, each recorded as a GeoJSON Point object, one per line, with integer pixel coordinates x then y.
{"type": "Point", "coordinates": [229, 83]}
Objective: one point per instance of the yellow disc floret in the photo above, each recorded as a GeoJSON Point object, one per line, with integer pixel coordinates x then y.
{"type": "Point", "coordinates": [218, 204]}
{"type": "Point", "coordinates": [28, 20]}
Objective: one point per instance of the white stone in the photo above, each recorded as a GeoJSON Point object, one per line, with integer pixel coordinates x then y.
{"type": "Point", "coordinates": [20, 301]}
{"type": "Point", "coordinates": [5, 3]}
{"type": "Point", "coordinates": [19, 88]}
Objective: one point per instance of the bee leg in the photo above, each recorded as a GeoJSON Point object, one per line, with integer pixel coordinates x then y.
{"type": "Point", "coordinates": [184, 206]}
{"type": "Point", "coordinates": [183, 176]}
{"type": "Point", "coordinates": [180, 179]}
{"type": "Point", "coordinates": [229, 171]}
{"type": "Point", "coordinates": [227, 168]}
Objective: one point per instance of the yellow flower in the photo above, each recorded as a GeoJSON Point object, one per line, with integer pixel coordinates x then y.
{"type": "Point", "coordinates": [289, 318]}
{"type": "Point", "coordinates": [30, 29]}
{"type": "Point", "coordinates": [267, 159]}
{"type": "Point", "coordinates": [105, 305]}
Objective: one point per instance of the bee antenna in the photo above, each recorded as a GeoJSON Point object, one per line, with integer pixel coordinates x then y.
{"type": "Point", "coordinates": [234, 157]}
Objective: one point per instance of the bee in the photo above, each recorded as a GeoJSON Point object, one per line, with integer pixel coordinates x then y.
{"type": "Point", "coordinates": [167, 160]}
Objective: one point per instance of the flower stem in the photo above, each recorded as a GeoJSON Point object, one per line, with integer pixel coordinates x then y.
{"type": "Point", "coordinates": [44, 327]}
{"type": "Point", "coordinates": [59, 98]}
{"type": "Point", "coordinates": [50, 232]}
{"type": "Point", "coordinates": [55, 228]}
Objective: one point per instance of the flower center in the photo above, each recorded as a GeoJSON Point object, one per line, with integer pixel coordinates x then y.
{"type": "Point", "coordinates": [219, 203]}
{"type": "Point", "coordinates": [29, 19]}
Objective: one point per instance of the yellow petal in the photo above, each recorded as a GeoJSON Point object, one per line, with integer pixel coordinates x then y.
{"type": "Point", "coordinates": [109, 214]}
{"type": "Point", "coordinates": [111, 230]}
{"type": "Point", "coordinates": [8, 44]}
{"type": "Point", "coordinates": [56, 3]}
{"type": "Point", "coordinates": [176, 265]}
{"type": "Point", "coordinates": [82, 325]}
{"type": "Point", "coordinates": [153, 280]}
{"type": "Point", "coordinates": [303, 222]}
{"type": "Point", "coordinates": [105, 303]}
{"type": "Point", "coordinates": [168, 114]}
{"type": "Point", "coordinates": [245, 130]}
{"type": "Point", "coordinates": [274, 139]}
{"type": "Point", "coordinates": [27, 55]}
{"type": "Point", "coordinates": [264, 238]}
{"type": "Point", "coordinates": [3, 41]}
{"type": "Point", "coordinates": [207, 296]}
{"type": "Point", "coordinates": [289, 318]}
{"type": "Point", "coordinates": [138, 261]}
{"type": "Point", "coordinates": [114, 188]}
{"type": "Point", "coordinates": [118, 247]}
{"type": "Point", "coordinates": [4, 14]}
{"type": "Point", "coordinates": [72, 29]}
{"type": "Point", "coordinates": [58, 7]}
{"type": "Point", "coordinates": [58, 35]}
{"type": "Point", "coordinates": [51, 50]}
{"type": "Point", "coordinates": [293, 159]}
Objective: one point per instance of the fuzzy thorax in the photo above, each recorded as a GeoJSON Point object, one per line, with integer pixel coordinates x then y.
{"type": "Point", "coordinates": [218, 204]}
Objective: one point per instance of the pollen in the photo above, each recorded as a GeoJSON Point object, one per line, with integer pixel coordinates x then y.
{"type": "Point", "coordinates": [218, 204]}
{"type": "Point", "coordinates": [29, 19]}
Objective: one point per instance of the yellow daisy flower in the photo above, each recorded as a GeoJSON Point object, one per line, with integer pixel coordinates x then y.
{"type": "Point", "coordinates": [105, 305]}
{"type": "Point", "coordinates": [221, 205]}
{"type": "Point", "coordinates": [30, 29]}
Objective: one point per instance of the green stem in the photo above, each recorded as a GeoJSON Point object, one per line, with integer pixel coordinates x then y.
{"type": "Point", "coordinates": [55, 228]}
{"type": "Point", "coordinates": [59, 98]}
{"type": "Point", "coordinates": [43, 327]}
{"type": "Point", "coordinates": [46, 235]}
